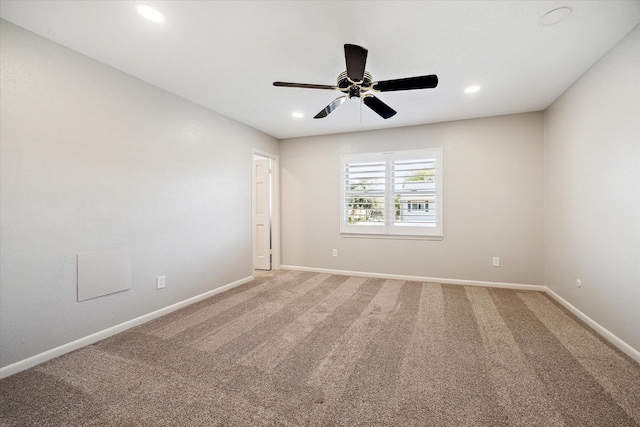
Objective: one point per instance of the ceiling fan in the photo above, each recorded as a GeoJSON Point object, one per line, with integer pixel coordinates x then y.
{"type": "Point", "coordinates": [355, 82]}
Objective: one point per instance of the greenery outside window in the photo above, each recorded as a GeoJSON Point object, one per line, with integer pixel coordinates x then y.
{"type": "Point", "coordinates": [392, 194]}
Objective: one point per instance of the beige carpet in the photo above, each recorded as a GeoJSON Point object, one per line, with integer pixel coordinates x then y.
{"type": "Point", "coordinates": [296, 348]}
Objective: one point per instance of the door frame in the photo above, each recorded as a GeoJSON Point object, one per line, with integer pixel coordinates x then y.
{"type": "Point", "coordinates": [275, 207]}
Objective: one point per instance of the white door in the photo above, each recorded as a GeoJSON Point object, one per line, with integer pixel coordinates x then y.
{"type": "Point", "coordinates": [262, 216]}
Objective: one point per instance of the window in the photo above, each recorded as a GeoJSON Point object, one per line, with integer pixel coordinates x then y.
{"type": "Point", "coordinates": [391, 194]}
{"type": "Point", "coordinates": [417, 206]}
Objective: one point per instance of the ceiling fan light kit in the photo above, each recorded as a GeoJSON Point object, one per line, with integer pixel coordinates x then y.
{"type": "Point", "coordinates": [356, 83]}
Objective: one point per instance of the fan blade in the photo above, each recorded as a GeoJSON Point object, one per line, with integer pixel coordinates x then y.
{"type": "Point", "coordinates": [410, 83]}
{"type": "Point", "coordinates": [305, 85]}
{"type": "Point", "coordinates": [329, 108]}
{"type": "Point", "coordinates": [378, 106]}
{"type": "Point", "coordinates": [356, 58]}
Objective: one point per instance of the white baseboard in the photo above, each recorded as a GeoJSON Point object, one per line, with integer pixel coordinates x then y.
{"type": "Point", "coordinates": [419, 278]}
{"type": "Point", "coordinates": [98, 336]}
{"type": "Point", "coordinates": [106, 333]}
{"type": "Point", "coordinates": [608, 335]}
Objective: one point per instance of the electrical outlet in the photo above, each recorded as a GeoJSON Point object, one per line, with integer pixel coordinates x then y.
{"type": "Point", "coordinates": [160, 281]}
{"type": "Point", "coordinates": [496, 261]}
{"type": "Point", "coordinates": [335, 253]}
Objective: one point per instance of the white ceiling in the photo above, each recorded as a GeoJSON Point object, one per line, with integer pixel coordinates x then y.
{"type": "Point", "coordinates": [225, 55]}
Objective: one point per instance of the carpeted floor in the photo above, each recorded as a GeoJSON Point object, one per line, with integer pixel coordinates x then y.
{"type": "Point", "coordinates": [296, 348]}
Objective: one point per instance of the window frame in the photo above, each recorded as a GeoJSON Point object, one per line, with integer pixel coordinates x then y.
{"type": "Point", "coordinates": [388, 229]}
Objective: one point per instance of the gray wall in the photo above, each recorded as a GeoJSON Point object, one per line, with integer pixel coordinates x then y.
{"type": "Point", "coordinates": [592, 181]}
{"type": "Point", "coordinates": [493, 202]}
{"type": "Point", "coordinates": [95, 160]}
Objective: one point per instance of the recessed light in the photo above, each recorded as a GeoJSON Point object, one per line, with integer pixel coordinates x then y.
{"type": "Point", "coordinates": [554, 16]}
{"type": "Point", "coordinates": [150, 13]}
{"type": "Point", "coordinates": [297, 115]}
{"type": "Point", "coordinates": [472, 89]}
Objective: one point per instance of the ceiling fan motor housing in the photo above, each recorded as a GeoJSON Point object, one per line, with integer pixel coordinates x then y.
{"type": "Point", "coordinates": [354, 89]}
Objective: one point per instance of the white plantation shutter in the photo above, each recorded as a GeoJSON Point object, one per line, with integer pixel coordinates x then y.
{"type": "Point", "coordinates": [396, 193]}
{"type": "Point", "coordinates": [364, 190]}
{"type": "Point", "coordinates": [414, 189]}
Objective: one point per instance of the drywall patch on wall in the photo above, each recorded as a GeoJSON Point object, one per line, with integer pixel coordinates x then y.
{"type": "Point", "coordinates": [103, 273]}
{"type": "Point", "coordinates": [91, 160]}
{"type": "Point", "coordinates": [37, 359]}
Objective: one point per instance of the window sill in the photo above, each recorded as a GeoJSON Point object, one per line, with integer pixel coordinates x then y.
{"type": "Point", "coordinates": [389, 236]}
